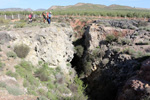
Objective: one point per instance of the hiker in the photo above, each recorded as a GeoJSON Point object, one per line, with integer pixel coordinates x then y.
{"type": "Point", "coordinates": [49, 17]}
{"type": "Point", "coordinates": [44, 17]}
{"type": "Point", "coordinates": [30, 17]}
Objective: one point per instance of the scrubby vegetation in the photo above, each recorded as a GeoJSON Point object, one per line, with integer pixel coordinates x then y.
{"type": "Point", "coordinates": [3, 21]}
{"type": "Point", "coordinates": [79, 50]}
{"type": "Point", "coordinates": [110, 38]}
{"type": "Point", "coordinates": [21, 50]}
{"type": "Point", "coordinates": [1, 64]}
{"type": "Point", "coordinates": [11, 54]}
{"type": "Point", "coordinates": [46, 82]}
{"type": "Point", "coordinates": [20, 25]}
{"type": "Point", "coordinates": [13, 90]}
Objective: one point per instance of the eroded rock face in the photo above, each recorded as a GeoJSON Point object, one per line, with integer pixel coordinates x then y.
{"type": "Point", "coordinates": [52, 44]}
{"type": "Point", "coordinates": [113, 63]}
{"type": "Point", "coordinates": [96, 34]}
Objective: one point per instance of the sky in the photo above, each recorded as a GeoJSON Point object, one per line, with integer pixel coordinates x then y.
{"type": "Point", "coordinates": [36, 4]}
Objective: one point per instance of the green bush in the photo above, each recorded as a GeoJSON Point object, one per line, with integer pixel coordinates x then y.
{"type": "Point", "coordinates": [98, 53]}
{"type": "Point", "coordinates": [110, 38]}
{"type": "Point", "coordinates": [11, 54]}
{"type": "Point", "coordinates": [42, 92]}
{"type": "Point", "coordinates": [142, 23]}
{"type": "Point", "coordinates": [79, 50]}
{"type": "Point", "coordinates": [81, 87]}
{"type": "Point", "coordinates": [8, 46]}
{"type": "Point", "coordinates": [42, 98]}
{"type": "Point", "coordinates": [124, 41]}
{"type": "Point", "coordinates": [20, 25]}
{"type": "Point", "coordinates": [3, 21]}
{"type": "Point", "coordinates": [32, 92]}
{"type": "Point", "coordinates": [0, 49]}
{"type": "Point", "coordinates": [50, 85]}
{"type": "Point", "coordinates": [21, 50]}
{"type": "Point", "coordinates": [2, 84]}
{"type": "Point", "coordinates": [14, 90]}
{"type": "Point", "coordinates": [1, 64]}
{"type": "Point", "coordinates": [10, 73]}
{"type": "Point", "coordinates": [25, 70]}
{"type": "Point", "coordinates": [51, 96]}
{"type": "Point", "coordinates": [87, 68]}
{"type": "Point", "coordinates": [43, 73]}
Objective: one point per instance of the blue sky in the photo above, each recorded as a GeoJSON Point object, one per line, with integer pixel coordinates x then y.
{"type": "Point", "coordinates": [36, 4]}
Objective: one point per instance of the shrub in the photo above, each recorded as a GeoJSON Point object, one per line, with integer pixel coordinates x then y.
{"type": "Point", "coordinates": [142, 23]}
{"type": "Point", "coordinates": [98, 52]}
{"type": "Point", "coordinates": [26, 65]}
{"type": "Point", "coordinates": [11, 74]}
{"type": "Point", "coordinates": [26, 83]}
{"type": "Point", "coordinates": [42, 98]}
{"type": "Point", "coordinates": [110, 38]}
{"type": "Point", "coordinates": [77, 27]}
{"type": "Point", "coordinates": [50, 85]}
{"type": "Point", "coordinates": [21, 50]}
{"type": "Point", "coordinates": [25, 70]}
{"type": "Point", "coordinates": [80, 86]}
{"type": "Point", "coordinates": [79, 50]}
{"type": "Point", "coordinates": [124, 41]}
{"type": "Point", "coordinates": [105, 61]}
{"type": "Point", "coordinates": [8, 46]}
{"type": "Point", "coordinates": [20, 25]}
{"type": "Point", "coordinates": [43, 73]}
{"type": "Point", "coordinates": [3, 84]}
{"type": "Point", "coordinates": [58, 69]}
{"type": "Point", "coordinates": [73, 88]}
{"type": "Point", "coordinates": [11, 54]}
{"type": "Point", "coordinates": [116, 50]}
{"type": "Point", "coordinates": [42, 92]}
{"type": "Point", "coordinates": [87, 68]}
{"type": "Point", "coordinates": [3, 21]}
{"type": "Point", "coordinates": [14, 90]}
{"type": "Point", "coordinates": [1, 64]}
{"type": "Point", "coordinates": [32, 92]}
{"type": "Point", "coordinates": [51, 96]}
{"type": "Point", "coordinates": [68, 64]}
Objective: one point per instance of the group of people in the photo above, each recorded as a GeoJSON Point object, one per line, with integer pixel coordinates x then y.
{"type": "Point", "coordinates": [46, 17]}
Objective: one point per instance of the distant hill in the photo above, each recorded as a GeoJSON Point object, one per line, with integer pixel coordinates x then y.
{"type": "Point", "coordinates": [118, 7]}
{"type": "Point", "coordinates": [89, 6]}
{"type": "Point", "coordinates": [78, 6]}
{"type": "Point", "coordinates": [16, 9]}
{"type": "Point", "coordinates": [40, 10]}
{"type": "Point", "coordinates": [20, 9]}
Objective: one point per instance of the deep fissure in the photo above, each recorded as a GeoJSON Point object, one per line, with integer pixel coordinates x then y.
{"type": "Point", "coordinates": [107, 81]}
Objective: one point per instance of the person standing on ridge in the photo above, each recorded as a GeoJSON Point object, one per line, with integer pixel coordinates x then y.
{"type": "Point", "coordinates": [44, 17]}
{"type": "Point", "coordinates": [49, 17]}
{"type": "Point", "coordinates": [30, 17]}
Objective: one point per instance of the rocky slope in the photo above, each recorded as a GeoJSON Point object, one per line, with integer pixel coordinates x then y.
{"type": "Point", "coordinates": [110, 52]}
{"type": "Point", "coordinates": [51, 44]}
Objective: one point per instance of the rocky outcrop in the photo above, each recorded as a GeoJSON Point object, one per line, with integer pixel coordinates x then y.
{"type": "Point", "coordinates": [52, 44]}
